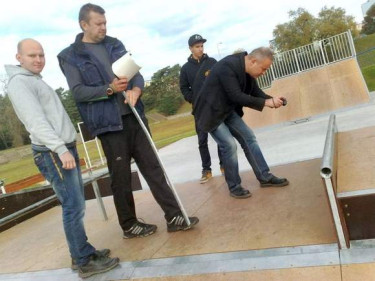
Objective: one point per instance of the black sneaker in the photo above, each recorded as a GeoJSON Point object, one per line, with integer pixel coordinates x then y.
{"type": "Point", "coordinates": [103, 253]}
{"type": "Point", "coordinates": [179, 223]}
{"type": "Point", "coordinates": [139, 229]}
{"type": "Point", "coordinates": [97, 264]}
{"type": "Point", "coordinates": [274, 181]}
{"type": "Point", "coordinates": [240, 193]}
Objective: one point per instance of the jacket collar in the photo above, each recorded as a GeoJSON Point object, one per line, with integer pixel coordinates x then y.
{"type": "Point", "coordinates": [79, 46]}
{"type": "Point", "coordinates": [195, 61]}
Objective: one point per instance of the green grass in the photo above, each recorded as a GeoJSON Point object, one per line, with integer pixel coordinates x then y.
{"type": "Point", "coordinates": [364, 43]}
{"type": "Point", "coordinates": [17, 170]}
{"type": "Point", "coordinates": [163, 133]}
{"type": "Point", "coordinates": [185, 107]}
{"type": "Point", "coordinates": [369, 75]}
{"type": "Point", "coordinates": [367, 60]}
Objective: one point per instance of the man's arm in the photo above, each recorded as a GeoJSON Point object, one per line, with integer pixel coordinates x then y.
{"type": "Point", "coordinates": [81, 92]}
{"type": "Point", "coordinates": [185, 87]}
{"type": "Point", "coordinates": [272, 102]}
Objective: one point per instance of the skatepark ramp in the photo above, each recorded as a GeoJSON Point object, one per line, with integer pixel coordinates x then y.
{"type": "Point", "coordinates": [317, 78]}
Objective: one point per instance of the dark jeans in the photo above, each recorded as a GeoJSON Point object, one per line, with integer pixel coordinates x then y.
{"type": "Point", "coordinates": [234, 126]}
{"type": "Point", "coordinates": [203, 150]}
{"type": "Point", "coordinates": [119, 147]}
{"type": "Point", "coordinates": [68, 187]}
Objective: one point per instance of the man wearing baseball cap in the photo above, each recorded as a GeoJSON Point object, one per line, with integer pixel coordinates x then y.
{"type": "Point", "coordinates": [192, 76]}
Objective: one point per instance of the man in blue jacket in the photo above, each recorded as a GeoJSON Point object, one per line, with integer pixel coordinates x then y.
{"type": "Point", "coordinates": [192, 76]}
{"type": "Point", "coordinates": [218, 110]}
{"type": "Point", "coordinates": [87, 65]}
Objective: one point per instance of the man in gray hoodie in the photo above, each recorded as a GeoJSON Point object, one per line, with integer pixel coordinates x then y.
{"type": "Point", "coordinates": [53, 137]}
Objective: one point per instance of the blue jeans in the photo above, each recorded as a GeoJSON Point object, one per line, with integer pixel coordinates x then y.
{"type": "Point", "coordinates": [68, 187]}
{"type": "Point", "coordinates": [234, 126]}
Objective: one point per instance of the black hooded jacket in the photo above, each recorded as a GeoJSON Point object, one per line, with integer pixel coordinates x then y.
{"type": "Point", "coordinates": [190, 81]}
{"type": "Point", "coordinates": [228, 88]}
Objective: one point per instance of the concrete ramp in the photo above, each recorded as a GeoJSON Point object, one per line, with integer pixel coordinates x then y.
{"type": "Point", "coordinates": [313, 92]}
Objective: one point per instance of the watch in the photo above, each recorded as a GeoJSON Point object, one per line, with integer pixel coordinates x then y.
{"type": "Point", "coordinates": [109, 90]}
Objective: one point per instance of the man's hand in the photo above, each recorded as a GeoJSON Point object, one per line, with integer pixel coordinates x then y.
{"type": "Point", "coordinates": [275, 102]}
{"type": "Point", "coordinates": [133, 95]}
{"type": "Point", "coordinates": [68, 161]}
{"type": "Point", "coordinates": [119, 84]}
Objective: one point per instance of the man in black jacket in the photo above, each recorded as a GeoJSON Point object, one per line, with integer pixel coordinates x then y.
{"type": "Point", "coordinates": [218, 110]}
{"type": "Point", "coordinates": [192, 76]}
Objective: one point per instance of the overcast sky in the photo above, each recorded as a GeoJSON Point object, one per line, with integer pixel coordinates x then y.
{"type": "Point", "coordinates": [156, 32]}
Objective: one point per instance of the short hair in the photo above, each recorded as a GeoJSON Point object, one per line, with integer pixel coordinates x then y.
{"type": "Point", "coordinates": [261, 53]}
{"type": "Point", "coordinates": [85, 11]}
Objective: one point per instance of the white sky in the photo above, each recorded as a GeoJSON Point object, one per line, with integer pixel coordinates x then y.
{"type": "Point", "coordinates": [156, 32]}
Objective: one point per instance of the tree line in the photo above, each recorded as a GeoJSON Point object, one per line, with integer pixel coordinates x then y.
{"type": "Point", "coordinates": [163, 94]}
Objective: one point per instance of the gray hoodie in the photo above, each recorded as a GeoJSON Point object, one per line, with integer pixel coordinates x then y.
{"type": "Point", "coordinates": [39, 109]}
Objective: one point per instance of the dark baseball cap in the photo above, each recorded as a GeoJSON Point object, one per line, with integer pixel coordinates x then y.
{"type": "Point", "coordinates": [195, 39]}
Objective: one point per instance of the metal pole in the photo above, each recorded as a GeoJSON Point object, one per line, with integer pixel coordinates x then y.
{"type": "Point", "coordinates": [98, 196]}
{"type": "Point", "coordinates": [100, 153]}
{"type": "Point", "coordinates": [171, 186]}
{"type": "Point", "coordinates": [351, 43]}
{"type": "Point", "coordinates": [84, 145]}
{"type": "Point", "coordinates": [326, 171]}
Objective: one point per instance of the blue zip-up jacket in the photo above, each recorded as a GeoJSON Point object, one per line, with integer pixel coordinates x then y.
{"type": "Point", "coordinates": [102, 114]}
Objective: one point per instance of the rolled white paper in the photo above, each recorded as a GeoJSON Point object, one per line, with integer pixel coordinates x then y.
{"type": "Point", "coordinates": [125, 67]}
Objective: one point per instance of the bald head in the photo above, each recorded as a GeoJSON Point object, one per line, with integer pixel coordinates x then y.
{"type": "Point", "coordinates": [30, 54]}
{"type": "Point", "coordinates": [26, 43]}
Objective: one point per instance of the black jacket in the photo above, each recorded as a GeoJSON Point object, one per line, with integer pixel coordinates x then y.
{"type": "Point", "coordinates": [228, 88]}
{"type": "Point", "coordinates": [190, 81]}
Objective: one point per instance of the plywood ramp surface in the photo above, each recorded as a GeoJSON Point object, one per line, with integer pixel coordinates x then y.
{"type": "Point", "coordinates": [313, 92]}
{"type": "Point", "coordinates": [274, 217]}
{"type": "Point", "coordinates": [356, 160]}
{"type": "Point", "coordinates": [358, 272]}
{"type": "Point", "coordinates": [331, 273]}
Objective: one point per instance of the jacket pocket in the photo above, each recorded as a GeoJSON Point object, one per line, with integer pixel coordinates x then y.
{"type": "Point", "coordinates": [90, 74]}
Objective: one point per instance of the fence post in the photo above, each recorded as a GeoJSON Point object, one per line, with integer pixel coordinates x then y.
{"type": "Point", "coordinates": [272, 74]}
{"type": "Point", "coordinates": [351, 43]}
{"type": "Point", "coordinates": [296, 58]}
{"type": "Point", "coordinates": [321, 49]}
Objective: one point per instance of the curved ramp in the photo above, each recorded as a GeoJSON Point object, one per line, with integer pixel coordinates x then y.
{"type": "Point", "coordinates": [313, 92]}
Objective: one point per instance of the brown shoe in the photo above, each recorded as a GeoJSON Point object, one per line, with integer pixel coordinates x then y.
{"type": "Point", "coordinates": [206, 176]}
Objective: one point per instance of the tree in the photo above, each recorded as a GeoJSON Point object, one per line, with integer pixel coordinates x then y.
{"type": "Point", "coordinates": [304, 28]}
{"type": "Point", "coordinates": [333, 21]}
{"type": "Point", "coordinates": [164, 92]}
{"type": "Point", "coordinates": [297, 32]}
{"type": "Point", "coordinates": [12, 131]}
{"type": "Point", "coordinates": [69, 104]}
{"type": "Point", "coordinates": [369, 21]}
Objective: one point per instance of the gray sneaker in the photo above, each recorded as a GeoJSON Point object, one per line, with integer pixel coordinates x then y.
{"type": "Point", "coordinates": [103, 253]}
{"type": "Point", "coordinates": [97, 264]}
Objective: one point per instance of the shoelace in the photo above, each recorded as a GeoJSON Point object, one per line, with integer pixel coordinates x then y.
{"type": "Point", "coordinates": [178, 220]}
{"type": "Point", "coordinates": [135, 229]}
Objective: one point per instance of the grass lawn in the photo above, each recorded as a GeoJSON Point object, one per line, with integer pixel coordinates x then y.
{"type": "Point", "coordinates": [366, 60]}
{"type": "Point", "coordinates": [369, 75]}
{"type": "Point", "coordinates": [364, 43]}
